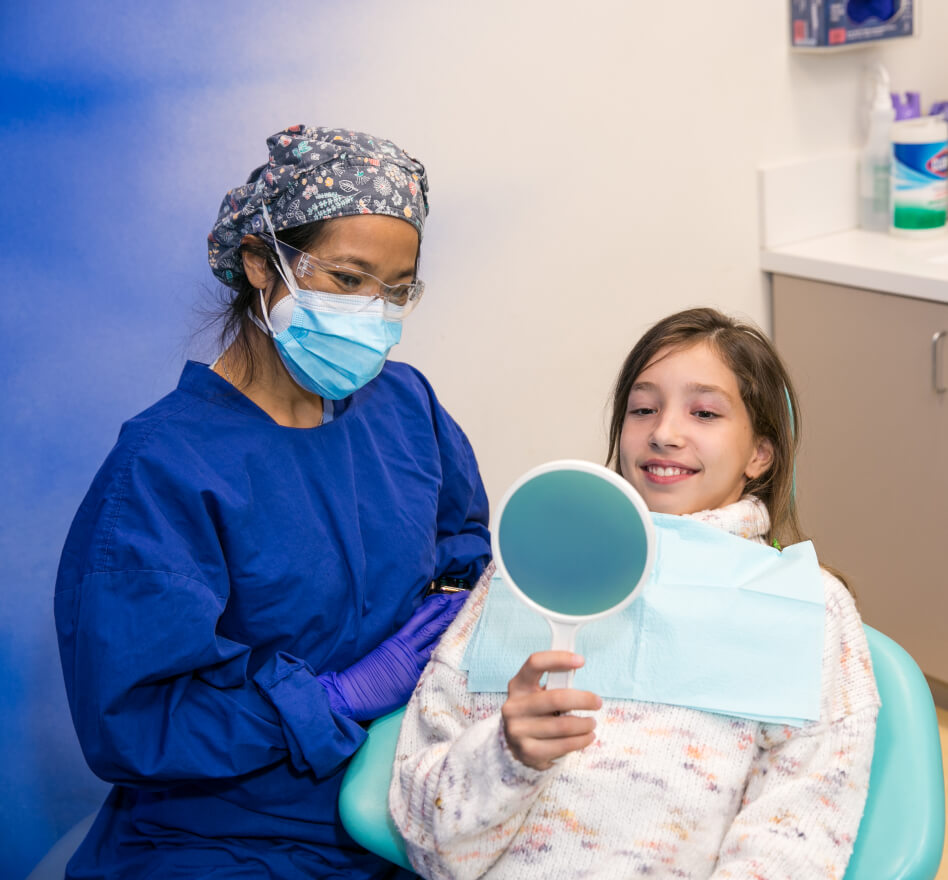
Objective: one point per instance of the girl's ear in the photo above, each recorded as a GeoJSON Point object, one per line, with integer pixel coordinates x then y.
{"type": "Point", "coordinates": [761, 460]}
{"type": "Point", "coordinates": [256, 266]}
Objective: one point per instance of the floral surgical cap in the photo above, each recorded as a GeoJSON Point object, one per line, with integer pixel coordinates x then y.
{"type": "Point", "coordinates": [317, 174]}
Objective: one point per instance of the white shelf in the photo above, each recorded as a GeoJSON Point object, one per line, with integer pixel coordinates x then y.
{"type": "Point", "coordinates": [807, 215]}
{"type": "Point", "coordinates": [872, 260]}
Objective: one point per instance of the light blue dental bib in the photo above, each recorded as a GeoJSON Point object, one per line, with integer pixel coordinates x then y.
{"type": "Point", "coordinates": [723, 624]}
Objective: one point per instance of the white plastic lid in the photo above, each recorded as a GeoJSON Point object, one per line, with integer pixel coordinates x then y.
{"type": "Point", "coordinates": [920, 130]}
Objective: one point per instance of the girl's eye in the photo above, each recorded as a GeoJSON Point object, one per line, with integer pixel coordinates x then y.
{"type": "Point", "coordinates": [641, 411]}
{"type": "Point", "coordinates": [705, 414]}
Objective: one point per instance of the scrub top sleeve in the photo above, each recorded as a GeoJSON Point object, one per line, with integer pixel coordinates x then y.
{"type": "Point", "coordinates": [158, 697]}
{"type": "Point", "coordinates": [318, 739]}
{"type": "Point", "coordinates": [159, 692]}
{"type": "Point", "coordinates": [463, 540]}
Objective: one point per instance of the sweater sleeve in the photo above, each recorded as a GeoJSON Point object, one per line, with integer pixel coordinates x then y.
{"type": "Point", "coordinates": [458, 795]}
{"type": "Point", "coordinates": [807, 787]}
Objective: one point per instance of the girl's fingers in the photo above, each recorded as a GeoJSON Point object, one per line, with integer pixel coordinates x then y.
{"type": "Point", "coordinates": [537, 723]}
{"type": "Point", "coordinates": [539, 738]}
{"type": "Point", "coordinates": [527, 679]}
{"type": "Point", "coordinates": [555, 702]}
{"type": "Point", "coordinates": [548, 726]}
{"type": "Point", "coordinates": [542, 753]}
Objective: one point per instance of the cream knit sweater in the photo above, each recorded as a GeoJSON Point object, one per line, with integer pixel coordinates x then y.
{"type": "Point", "coordinates": [663, 792]}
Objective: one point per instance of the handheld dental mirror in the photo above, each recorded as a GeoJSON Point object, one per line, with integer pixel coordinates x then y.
{"type": "Point", "coordinates": [575, 542]}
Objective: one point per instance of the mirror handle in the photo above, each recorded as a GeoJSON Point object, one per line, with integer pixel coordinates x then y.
{"type": "Point", "coordinates": [564, 639]}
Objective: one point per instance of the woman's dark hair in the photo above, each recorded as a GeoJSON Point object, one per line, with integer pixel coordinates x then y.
{"type": "Point", "coordinates": [765, 388]}
{"type": "Point", "coordinates": [232, 315]}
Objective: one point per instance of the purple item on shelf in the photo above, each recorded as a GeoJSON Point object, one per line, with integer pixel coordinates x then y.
{"type": "Point", "coordinates": [939, 108]}
{"type": "Point", "coordinates": [909, 108]}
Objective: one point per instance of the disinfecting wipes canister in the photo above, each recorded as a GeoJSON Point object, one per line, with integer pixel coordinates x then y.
{"type": "Point", "coordinates": [919, 161]}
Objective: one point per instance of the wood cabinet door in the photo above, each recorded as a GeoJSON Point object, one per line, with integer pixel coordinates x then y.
{"type": "Point", "coordinates": [872, 476]}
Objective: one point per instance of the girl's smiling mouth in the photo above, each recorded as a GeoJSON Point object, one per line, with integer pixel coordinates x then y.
{"type": "Point", "coordinates": [666, 472]}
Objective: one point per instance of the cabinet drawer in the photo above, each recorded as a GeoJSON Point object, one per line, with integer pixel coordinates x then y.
{"type": "Point", "coordinates": [872, 477]}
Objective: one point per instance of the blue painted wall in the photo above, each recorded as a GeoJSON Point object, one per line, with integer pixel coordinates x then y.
{"type": "Point", "coordinates": [121, 128]}
{"type": "Point", "coordinates": [110, 185]}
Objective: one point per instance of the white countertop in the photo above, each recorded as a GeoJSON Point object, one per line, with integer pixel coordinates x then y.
{"type": "Point", "coordinates": [872, 260]}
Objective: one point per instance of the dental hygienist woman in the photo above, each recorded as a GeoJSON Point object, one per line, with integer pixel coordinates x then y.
{"type": "Point", "coordinates": [243, 587]}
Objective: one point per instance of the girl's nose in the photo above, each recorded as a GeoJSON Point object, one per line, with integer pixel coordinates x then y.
{"type": "Point", "coordinates": [666, 433]}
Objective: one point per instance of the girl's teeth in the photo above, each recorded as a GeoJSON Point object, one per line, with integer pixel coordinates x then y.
{"type": "Point", "coordinates": [666, 471]}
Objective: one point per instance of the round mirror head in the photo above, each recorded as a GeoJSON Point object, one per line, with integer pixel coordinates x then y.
{"type": "Point", "coordinates": [574, 539]}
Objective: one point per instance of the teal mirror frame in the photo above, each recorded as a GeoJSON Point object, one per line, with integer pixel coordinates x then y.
{"type": "Point", "coordinates": [561, 530]}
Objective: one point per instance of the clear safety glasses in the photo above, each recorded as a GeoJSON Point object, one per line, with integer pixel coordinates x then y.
{"type": "Point", "coordinates": [315, 273]}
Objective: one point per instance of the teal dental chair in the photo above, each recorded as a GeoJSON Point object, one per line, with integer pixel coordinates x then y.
{"type": "Point", "coordinates": [900, 838]}
{"type": "Point", "coordinates": [903, 828]}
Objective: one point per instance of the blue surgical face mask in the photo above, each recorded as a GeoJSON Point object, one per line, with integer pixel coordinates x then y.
{"type": "Point", "coordinates": [331, 344]}
{"type": "Point", "coordinates": [326, 346]}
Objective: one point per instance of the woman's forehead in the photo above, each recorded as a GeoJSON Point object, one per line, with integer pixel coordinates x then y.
{"type": "Point", "coordinates": [370, 238]}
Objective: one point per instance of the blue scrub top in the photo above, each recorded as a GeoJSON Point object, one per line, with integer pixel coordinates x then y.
{"type": "Point", "coordinates": [220, 562]}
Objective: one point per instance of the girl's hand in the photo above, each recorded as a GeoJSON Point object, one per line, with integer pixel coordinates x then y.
{"type": "Point", "coordinates": [536, 725]}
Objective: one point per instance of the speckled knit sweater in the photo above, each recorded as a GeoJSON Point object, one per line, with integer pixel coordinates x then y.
{"type": "Point", "coordinates": [663, 792]}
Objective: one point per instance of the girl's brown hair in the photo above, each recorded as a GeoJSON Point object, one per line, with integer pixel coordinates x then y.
{"type": "Point", "coordinates": [765, 388]}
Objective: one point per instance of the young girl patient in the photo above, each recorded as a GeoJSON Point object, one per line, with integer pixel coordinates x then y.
{"type": "Point", "coordinates": [564, 783]}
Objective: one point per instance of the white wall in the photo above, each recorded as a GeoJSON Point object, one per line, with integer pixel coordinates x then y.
{"type": "Point", "coordinates": [593, 169]}
{"type": "Point", "coordinates": [592, 165]}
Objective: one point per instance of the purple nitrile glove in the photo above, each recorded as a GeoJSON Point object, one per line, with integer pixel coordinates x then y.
{"type": "Point", "coordinates": [385, 677]}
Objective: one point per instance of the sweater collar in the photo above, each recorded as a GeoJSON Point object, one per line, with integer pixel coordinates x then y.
{"type": "Point", "coordinates": [747, 518]}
